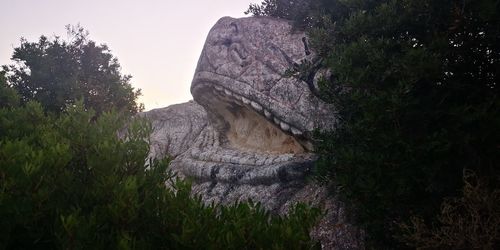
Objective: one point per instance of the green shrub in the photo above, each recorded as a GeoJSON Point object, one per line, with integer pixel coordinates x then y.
{"type": "Point", "coordinates": [70, 183]}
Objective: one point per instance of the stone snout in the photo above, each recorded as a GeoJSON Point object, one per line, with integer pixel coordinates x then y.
{"type": "Point", "coordinates": [244, 58]}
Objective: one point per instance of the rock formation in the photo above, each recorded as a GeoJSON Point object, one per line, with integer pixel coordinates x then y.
{"type": "Point", "coordinates": [247, 134]}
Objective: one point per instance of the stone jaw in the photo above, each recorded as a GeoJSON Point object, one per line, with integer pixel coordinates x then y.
{"type": "Point", "coordinates": [207, 160]}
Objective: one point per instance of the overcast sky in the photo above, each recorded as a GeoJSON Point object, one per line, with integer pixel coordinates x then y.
{"type": "Point", "coordinates": [158, 42]}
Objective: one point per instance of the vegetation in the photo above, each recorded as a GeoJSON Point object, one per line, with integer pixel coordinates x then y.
{"type": "Point", "coordinates": [56, 73]}
{"type": "Point", "coordinates": [416, 87]}
{"type": "Point", "coordinates": [8, 96]}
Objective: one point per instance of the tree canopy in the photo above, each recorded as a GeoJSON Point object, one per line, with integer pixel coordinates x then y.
{"type": "Point", "coordinates": [58, 72]}
{"type": "Point", "coordinates": [415, 83]}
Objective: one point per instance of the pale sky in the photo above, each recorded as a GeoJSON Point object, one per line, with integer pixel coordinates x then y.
{"type": "Point", "coordinates": [157, 42]}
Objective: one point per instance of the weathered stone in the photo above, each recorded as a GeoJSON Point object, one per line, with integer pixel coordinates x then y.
{"type": "Point", "coordinates": [175, 128]}
{"type": "Point", "coordinates": [249, 137]}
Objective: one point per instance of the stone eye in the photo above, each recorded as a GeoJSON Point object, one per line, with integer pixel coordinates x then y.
{"type": "Point", "coordinates": [227, 42]}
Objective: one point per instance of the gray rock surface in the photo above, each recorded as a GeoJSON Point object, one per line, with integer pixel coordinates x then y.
{"type": "Point", "coordinates": [175, 128]}
{"type": "Point", "coordinates": [247, 135]}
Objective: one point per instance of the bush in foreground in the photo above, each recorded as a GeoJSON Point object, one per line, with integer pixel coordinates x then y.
{"type": "Point", "coordinates": [71, 183]}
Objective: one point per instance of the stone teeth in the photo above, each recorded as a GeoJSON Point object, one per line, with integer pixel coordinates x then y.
{"type": "Point", "coordinates": [245, 100]}
{"type": "Point", "coordinates": [237, 97]}
{"type": "Point", "coordinates": [295, 131]}
{"type": "Point", "coordinates": [269, 160]}
{"type": "Point", "coordinates": [277, 121]}
{"type": "Point", "coordinates": [267, 114]}
{"type": "Point", "coordinates": [260, 161]}
{"type": "Point", "coordinates": [284, 126]}
{"type": "Point", "coordinates": [256, 106]}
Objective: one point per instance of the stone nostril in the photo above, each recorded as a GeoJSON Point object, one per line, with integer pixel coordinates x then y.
{"type": "Point", "coordinates": [234, 27]}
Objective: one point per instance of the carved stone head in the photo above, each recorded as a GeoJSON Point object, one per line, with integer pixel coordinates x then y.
{"type": "Point", "coordinates": [240, 80]}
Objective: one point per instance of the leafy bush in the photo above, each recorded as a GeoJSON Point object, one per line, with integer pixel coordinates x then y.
{"type": "Point", "coordinates": [70, 183]}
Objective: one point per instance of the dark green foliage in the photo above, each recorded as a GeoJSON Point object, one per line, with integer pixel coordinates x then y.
{"type": "Point", "coordinates": [296, 10]}
{"type": "Point", "coordinates": [71, 183]}
{"type": "Point", "coordinates": [57, 73]}
{"type": "Point", "coordinates": [416, 87]}
{"type": "Point", "coordinates": [8, 96]}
